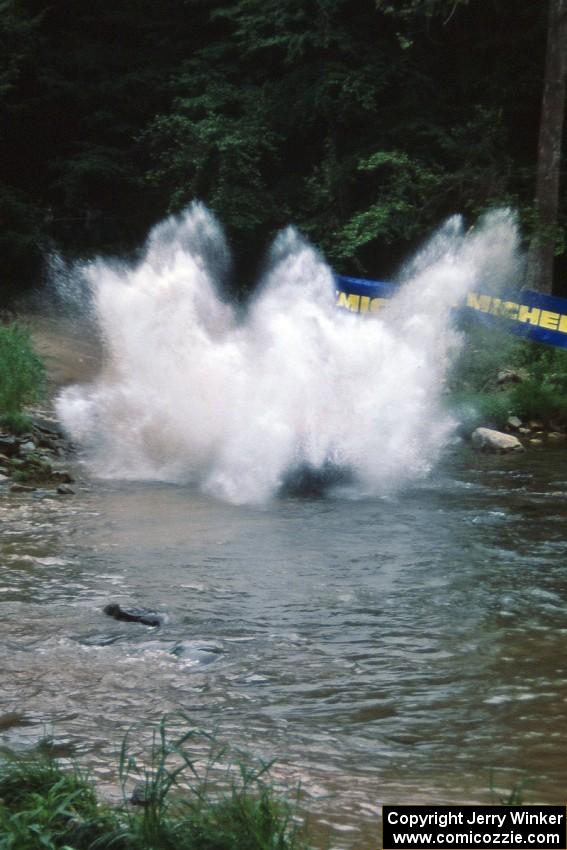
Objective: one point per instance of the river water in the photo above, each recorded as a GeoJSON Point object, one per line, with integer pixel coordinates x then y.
{"type": "Point", "coordinates": [403, 641]}
{"type": "Point", "coordinates": [384, 650]}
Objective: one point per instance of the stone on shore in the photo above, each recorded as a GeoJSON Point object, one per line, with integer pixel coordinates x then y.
{"type": "Point", "coordinates": [65, 490]}
{"type": "Point", "coordinates": [62, 476]}
{"type": "Point", "coordinates": [514, 422]}
{"type": "Point", "coordinates": [9, 445]}
{"type": "Point", "coordinates": [488, 440]}
{"type": "Point", "coordinates": [27, 447]}
{"type": "Point", "coordinates": [510, 376]}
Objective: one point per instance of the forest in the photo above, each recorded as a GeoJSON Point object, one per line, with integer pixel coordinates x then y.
{"type": "Point", "coordinates": [363, 122]}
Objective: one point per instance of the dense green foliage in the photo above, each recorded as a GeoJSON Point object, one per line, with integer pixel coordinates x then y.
{"type": "Point", "coordinates": [21, 373]}
{"type": "Point", "coordinates": [43, 807]}
{"type": "Point", "coordinates": [365, 123]}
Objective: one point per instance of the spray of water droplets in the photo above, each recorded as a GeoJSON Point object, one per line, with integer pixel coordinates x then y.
{"type": "Point", "coordinates": [194, 391]}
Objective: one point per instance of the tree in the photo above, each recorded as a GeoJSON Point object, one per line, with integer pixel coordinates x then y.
{"type": "Point", "coordinates": [364, 123]}
{"type": "Point", "coordinates": [542, 250]}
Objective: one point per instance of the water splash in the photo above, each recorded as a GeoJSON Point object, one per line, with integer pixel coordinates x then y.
{"type": "Point", "coordinates": [191, 391]}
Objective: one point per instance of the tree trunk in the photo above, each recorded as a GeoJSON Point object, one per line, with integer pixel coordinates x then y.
{"type": "Point", "coordinates": [539, 272]}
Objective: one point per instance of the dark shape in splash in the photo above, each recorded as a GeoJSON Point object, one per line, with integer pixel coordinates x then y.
{"type": "Point", "coordinates": [314, 482]}
{"type": "Point", "coordinates": [134, 615]}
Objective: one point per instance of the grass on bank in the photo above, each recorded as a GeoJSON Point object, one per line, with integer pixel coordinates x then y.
{"type": "Point", "coordinates": [22, 376]}
{"type": "Point", "coordinates": [477, 397]}
{"type": "Point", "coordinates": [185, 801]}
{"type": "Point", "coordinates": [43, 806]}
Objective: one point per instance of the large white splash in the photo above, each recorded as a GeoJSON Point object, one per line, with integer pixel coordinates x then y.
{"type": "Point", "coordinates": [194, 391]}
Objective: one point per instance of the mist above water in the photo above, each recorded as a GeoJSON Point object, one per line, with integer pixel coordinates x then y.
{"type": "Point", "coordinates": [194, 390]}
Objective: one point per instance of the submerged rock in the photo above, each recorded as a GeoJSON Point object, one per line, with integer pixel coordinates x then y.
{"type": "Point", "coordinates": [134, 615]}
{"type": "Point", "coordinates": [197, 653]}
{"type": "Point", "coordinates": [488, 440]}
{"type": "Point", "coordinates": [141, 795]}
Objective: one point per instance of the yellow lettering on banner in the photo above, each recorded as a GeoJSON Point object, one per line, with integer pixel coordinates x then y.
{"type": "Point", "coordinates": [377, 304]}
{"type": "Point", "coordinates": [479, 302]}
{"type": "Point", "coordinates": [549, 320]}
{"type": "Point", "coordinates": [510, 309]}
{"type": "Point", "coordinates": [484, 303]}
{"type": "Point", "coordinates": [529, 314]}
{"type": "Point", "coordinates": [495, 307]}
{"type": "Point", "coordinates": [350, 301]}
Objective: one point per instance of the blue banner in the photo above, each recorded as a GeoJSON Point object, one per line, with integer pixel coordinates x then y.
{"type": "Point", "coordinates": [542, 318]}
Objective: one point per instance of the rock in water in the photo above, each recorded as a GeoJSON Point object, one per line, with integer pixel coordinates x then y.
{"type": "Point", "coordinates": [134, 615]}
{"type": "Point", "coordinates": [141, 795]}
{"type": "Point", "coordinates": [488, 440]}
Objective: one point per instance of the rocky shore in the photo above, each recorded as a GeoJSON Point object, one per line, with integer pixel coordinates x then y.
{"type": "Point", "coordinates": [36, 460]}
{"type": "Point", "coordinates": [516, 436]}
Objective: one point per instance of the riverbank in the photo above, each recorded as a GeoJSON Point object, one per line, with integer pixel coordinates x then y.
{"type": "Point", "coordinates": [173, 800]}
{"type": "Point", "coordinates": [36, 456]}
{"type": "Point", "coordinates": [36, 460]}
{"type": "Point", "coordinates": [509, 383]}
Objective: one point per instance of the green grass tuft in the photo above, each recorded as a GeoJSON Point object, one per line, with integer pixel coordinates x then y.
{"type": "Point", "coordinates": [16, 423]}
{"type": "Point", "coordinates": [190, 797]}
{"type": "Point", "coordinates": [21, 370]}
{"type": "Point", "coordinates": [196, 798]}
{"type": "Point", "coordinates": [45, 808]}
{"type": "Point", "coordinates": [474, 410]}
{"type": "Point", "coordinates": [533, 399]}
{"type": "Point", "coordinates": [475, 396]}
{"type": "Point", "coordinates": [511, 797]}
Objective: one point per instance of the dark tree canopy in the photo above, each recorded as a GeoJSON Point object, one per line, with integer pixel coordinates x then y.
{"type": "Point", "coordinates": [548, 235]}
{"type": "Point", "coordinates": [364, 122]}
